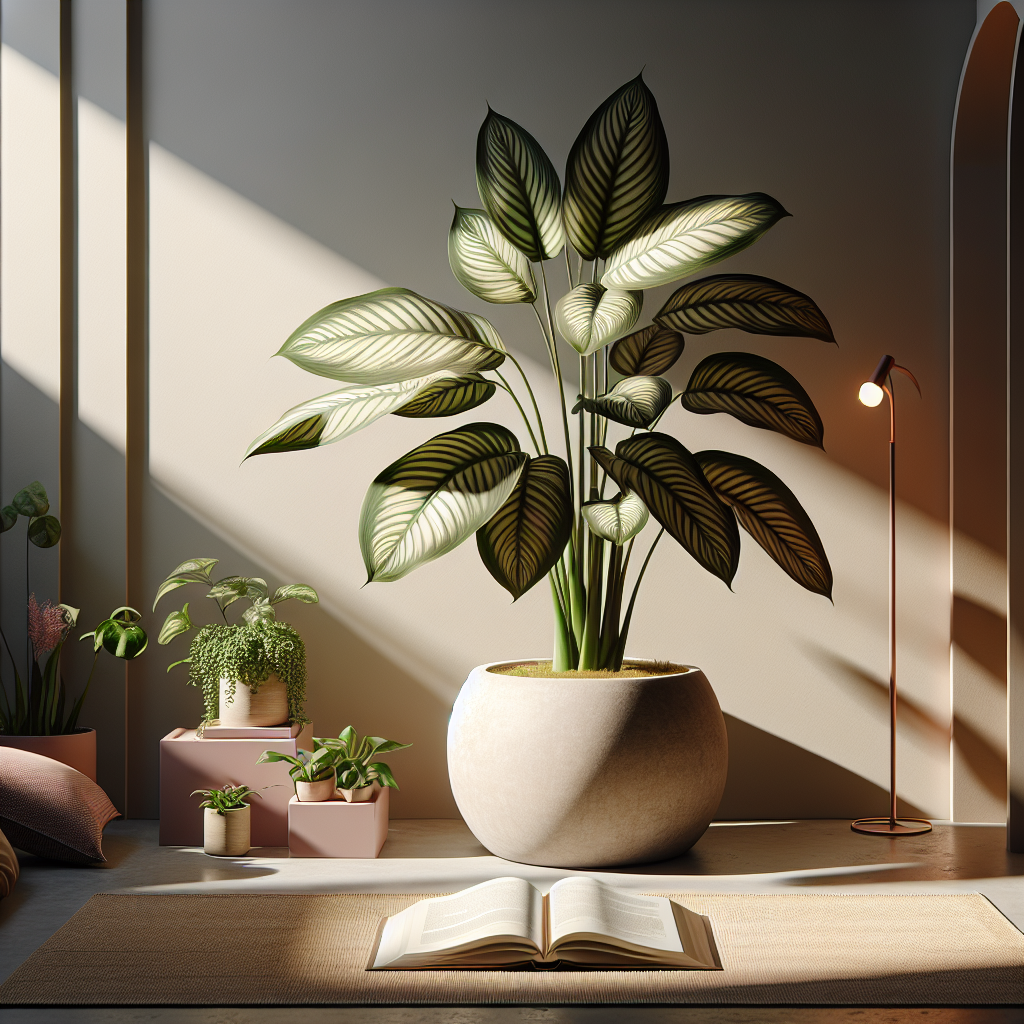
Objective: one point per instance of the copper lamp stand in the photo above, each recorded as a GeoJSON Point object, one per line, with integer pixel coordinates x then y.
{"type": "Point", "coordinates": [871, 394]}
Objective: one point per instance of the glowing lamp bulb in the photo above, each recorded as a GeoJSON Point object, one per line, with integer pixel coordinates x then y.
{"type": "Point", "coordinates": [871, 394]}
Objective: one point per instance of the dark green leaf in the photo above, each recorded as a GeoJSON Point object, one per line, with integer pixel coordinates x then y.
{"type": "Point", "coordinates": [44, 532]}
{"type": "Point", "coordinates": [32, 501]}
{"type": "Point", "coordinates": [448, 397]}
{"type": "Point", "coordinates": [8, 517]}
{"type": "Point", "coordinates": [647, 352]}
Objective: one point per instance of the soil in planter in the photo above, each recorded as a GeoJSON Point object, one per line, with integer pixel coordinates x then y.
{"type": "Point", "coordinates": [629, 670]}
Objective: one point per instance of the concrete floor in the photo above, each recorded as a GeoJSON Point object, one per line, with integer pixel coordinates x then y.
{"type": "Point", "coordinates": [442, 855]}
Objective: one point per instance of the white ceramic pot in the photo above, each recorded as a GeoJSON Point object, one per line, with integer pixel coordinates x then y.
{"type": "Point", "coordinates": [582, 773]}
{"type": "Point", "coordinates": [314, 792]}
{"type": "Point", "coordinates": [227, 834]}
{"type": "Point", "coordinates": [361, 795]}
{"type": "Point", "coordinates": [245, 709]}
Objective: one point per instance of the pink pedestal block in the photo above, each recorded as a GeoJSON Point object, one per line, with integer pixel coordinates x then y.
{"type": "Point", "coordinates": [187, 764]}
{"type": "Point", "coordinates": [334, 828]}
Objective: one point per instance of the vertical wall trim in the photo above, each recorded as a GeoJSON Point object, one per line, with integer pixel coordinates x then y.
{"type": "Point", "coordinates": [137, 425]}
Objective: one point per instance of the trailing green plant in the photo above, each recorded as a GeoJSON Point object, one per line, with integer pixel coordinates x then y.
{"type": "Point", "coordinates": [314, 765]}
{"type": "Point", "coordinates": [228, 798]}
{"type": "Point", "coordinates": [38, 701]}
{"type": "Point", "coordinates": [573, 515]}
{"type": "Point", "coordinates": [245, 653]}
{"type": "Point", "coordinates": [353, 759]}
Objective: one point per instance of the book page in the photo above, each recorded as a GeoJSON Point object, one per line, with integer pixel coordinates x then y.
{"type": "Point", "coordinates": [586, 906]}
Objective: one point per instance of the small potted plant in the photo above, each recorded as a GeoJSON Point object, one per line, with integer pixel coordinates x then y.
{"type": "Point", "coordinates": [312, 771]}
{"type": "Point", "coordinates": [252, 673]}
{"type": "Point", "coordinates": [359, 776]}
{"type": "Point", "coordinates": [226, 820]}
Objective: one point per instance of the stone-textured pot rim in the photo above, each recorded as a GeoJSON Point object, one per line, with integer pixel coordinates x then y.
{"type": "Point", "coordinates": [686, 670]}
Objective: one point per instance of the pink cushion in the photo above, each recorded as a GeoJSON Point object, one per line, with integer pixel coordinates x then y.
{"type": "Point", "coordinates": [8, 867]}
{"type": "Point", "coordinates": [49, 809]}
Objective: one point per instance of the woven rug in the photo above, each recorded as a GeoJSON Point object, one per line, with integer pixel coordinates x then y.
{"type": "Point", "coordinates": [305, 950]}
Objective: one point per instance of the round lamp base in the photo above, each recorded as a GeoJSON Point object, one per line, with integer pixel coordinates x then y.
{"type": "Point", "coordinates": [891, 827]}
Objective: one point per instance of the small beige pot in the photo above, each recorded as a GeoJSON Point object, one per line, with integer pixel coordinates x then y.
{"type": "Point", "coordinates": [227, 834]}
{"type": "Point", "coordinates": [360, 796]}
{"type": "Point", "coordinates": [314, 792]}
{"type": "Point", "coordinates": [244, 709]}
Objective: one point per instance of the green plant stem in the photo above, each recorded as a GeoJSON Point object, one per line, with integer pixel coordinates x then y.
{"type": "Point", "coordinates": [561, 660]}
{"type": "Point", "coordinates": [549, 337]}
{"type": "Point", "coordinates": [612, 608]}
{"type": "Point", "coordinates": [72, 722]}
{"type": "Point", "coordinates": [624, 631]}
{"type": "Point", "coordinates": [533, 400]}
{"type": "Point", "coordinates": [505, 386]}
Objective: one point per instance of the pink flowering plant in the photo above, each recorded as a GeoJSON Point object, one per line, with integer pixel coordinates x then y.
{"type": "Point", "coordinates": [36, 704]}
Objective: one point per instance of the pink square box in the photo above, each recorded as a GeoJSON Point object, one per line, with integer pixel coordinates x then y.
{"type": "Point", "coordinates": [336, 828]}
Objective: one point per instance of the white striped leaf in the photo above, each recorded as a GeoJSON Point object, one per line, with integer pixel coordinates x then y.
{"type": "Point", "coordinates": [634, 401]}
{"type": "Point", "coordinates": [194, 570]}
{"type": "Point", "coordinates": [391, 335]}
{"type": "Point", "coordinates": [448, 396]}
{"type": "Point", "coordinates": [769, 512]}
{"type": "Point", "coordinates": [618, 519]}
{"type": "Point", "coordinates": [295, 592]}
{"type": "Point", "coordinates": [590, 316]}
{"type": "Point", "coordinates": [648, 352]}
{"type": "Point", "coordinates": [755, 391]}
{"type": "Point", "coordinates": [528, 534]}
{"type": "Point", "coordinates": [678, 240]}
{"type": "Point", "coordinates": [519, 187]}
{"type": "Point", "coordinates": [433, 498]}
{"type": "Point", "coordinates": [757, 305]}
{"type": "Point", "coordinates": [670, 483]}
{"type": "Point", "coordinates": [617, 171]}
{"type": "Point", "coordinates": [487, 263]}
{"type": "Point", "coordinates": [329, 418]}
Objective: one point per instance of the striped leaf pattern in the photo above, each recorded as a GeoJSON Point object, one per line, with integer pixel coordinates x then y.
{"type": "Point", "coordinates": [617, 171]}
{"type": "Point", "coordinates": [485, 262]}
{"type": "Point", "coordinates": [519, 187]}
{"type": "Point", "coordinates": [619, 519]}
{"type": "Point", "coordinates": [528, 534]}
{"type": "Point", "coordinates": [757, 305]}
{"type": "Point", "coordinates": [770, 513]}
{"type": "Point", "coordinates": [634, 401]}
{"type": "Point", "coordinates": [678, 240]}
{"type": "Point", "coordinates": [433, 498]}
{"type": "Point", "coordinates": [648, 352]}
{"type": "Point", "coordinates": [329, 418]}
{"type": "Point", "coordinates": [755, 391]}
{"type": "Point", "coordinates": [391, 335]}
{"type": "Point", "coordinates": [671, 484]}
{"type": "Point", "coordinates": [448, 396]}
{"type": "Point", "coordinates": [590, 316]}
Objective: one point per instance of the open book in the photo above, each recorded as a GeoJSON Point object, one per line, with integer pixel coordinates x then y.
{"type": "Point", "coordinates": [581, 922]}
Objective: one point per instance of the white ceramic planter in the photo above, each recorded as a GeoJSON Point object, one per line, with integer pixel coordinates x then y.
{"type": "Point", "coordinates": [360, 795]}
{"type": "Point", "coordinates": [314, 792]}
{"type": "Point", "coordinates": [587, 772]}
{"type": "Point", "coordinates": [245, 709]}
{"type": "Point", "coordinates": [227, 834]}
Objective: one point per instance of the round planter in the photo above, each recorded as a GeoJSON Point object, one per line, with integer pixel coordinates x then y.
{"type": "Point", "coordinates": [361, 795]}
{"type": "Point", "coordinates": [266, 707]}
{"type": "Point", "coordinates": [576, 773]}
{"type": "Point", "coordinates": [314, 792]}
{"type": "Point", "coordinates": [227, 834]}
{"type": "Point", "coordinates": [77, 749]}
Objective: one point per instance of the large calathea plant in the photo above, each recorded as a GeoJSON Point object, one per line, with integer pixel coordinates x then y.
{"type": "Point", "coordinates": [574, 519]}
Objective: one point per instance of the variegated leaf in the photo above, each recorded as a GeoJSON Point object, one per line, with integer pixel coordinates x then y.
{"type": "Point", "coordinates": [757, 305]}
{"type": "Point", "coordinates": [391, 335]}
{"type": "Point", "coordinates": [234, 588]}
{"type": "Point", "coordinates": [329, 418]}
{"type": "Point", "coordinates": [618, 519]}
{"type": "Point", "coordinates": [678, 240]}
{"type": "Point", "coordinates": [771, 514]}
{"type": "Point", "coordinates": [647, 352]}
{"type": "Point", "coordinates": [528, 534]}
{"type": "Point", "coordinates": [670, 483]}
{"type": "Point", "coordinates": [295, 591]}
{"type": "Point", "coordinates": [519, 187]}
{"type": "Point", "coordinates": [192, 570]}
{"type": "Point", "coordinates": [755, 391]}
{"type": "Point", "coordinates": [174, 625]}
{"type": "Point", "coordinates": [634, 401]}
{"type": "Point", "coordinates": [590, 316]}
{"type": "Point", "coordinates": [433, 498]}
{"type": "Point", "coordinates": [485, 262]}
{"type": "Point", "coordinates": [449, 396]}
{"type": "Point", "coordinates": [617, 171]}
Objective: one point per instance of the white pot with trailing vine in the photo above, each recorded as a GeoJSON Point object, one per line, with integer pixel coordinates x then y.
{"type": "Point", "coordinates": [226, 820]}
{"type": "Point", "coordinates": [252, 673]}
{"type": "Point", "coordinates": [572, 510]}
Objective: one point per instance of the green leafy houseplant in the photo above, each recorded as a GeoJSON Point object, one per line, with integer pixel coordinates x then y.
{"type": "Point", "coordinates": [40, 698]}
{"type": "Point", "coordinates": [228, 798]}
{"type": "Point", "coordinates": [309, 766]}
{"type": "Point", "coordinates": [573, 515]}
{"type": "Point", "coordinates": [248, 652]}
{"type": "Point", "coordinates": [353, 759]}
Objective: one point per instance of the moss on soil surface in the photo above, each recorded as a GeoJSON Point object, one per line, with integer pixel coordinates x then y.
{"type": "Point", "coordinates": [629, 670]}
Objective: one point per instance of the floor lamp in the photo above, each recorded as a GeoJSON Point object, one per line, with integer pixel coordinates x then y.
{"type": "Point", "coordinates": [871, 394]}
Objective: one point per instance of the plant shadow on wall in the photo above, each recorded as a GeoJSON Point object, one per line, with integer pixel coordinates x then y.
{"type": "Point", "coordinates": [571, 512]}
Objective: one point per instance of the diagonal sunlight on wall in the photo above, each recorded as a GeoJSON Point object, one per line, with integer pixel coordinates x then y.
{"type": "Point", "coordinates": [230, 282]}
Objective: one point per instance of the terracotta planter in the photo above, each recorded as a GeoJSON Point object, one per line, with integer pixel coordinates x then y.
{"type": "Point", "coordinates": [360, 795]}
{"type": "Point", "coordinates": [77, 749]}
{"type": "Point", "coordinates": [267, 707]}
{"type": "Point", "coordinates": [227, 834]}
{"type": "Point", "coordinates": [639, 764]}
{"type": "Point", "coordinates": [314, 792]}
